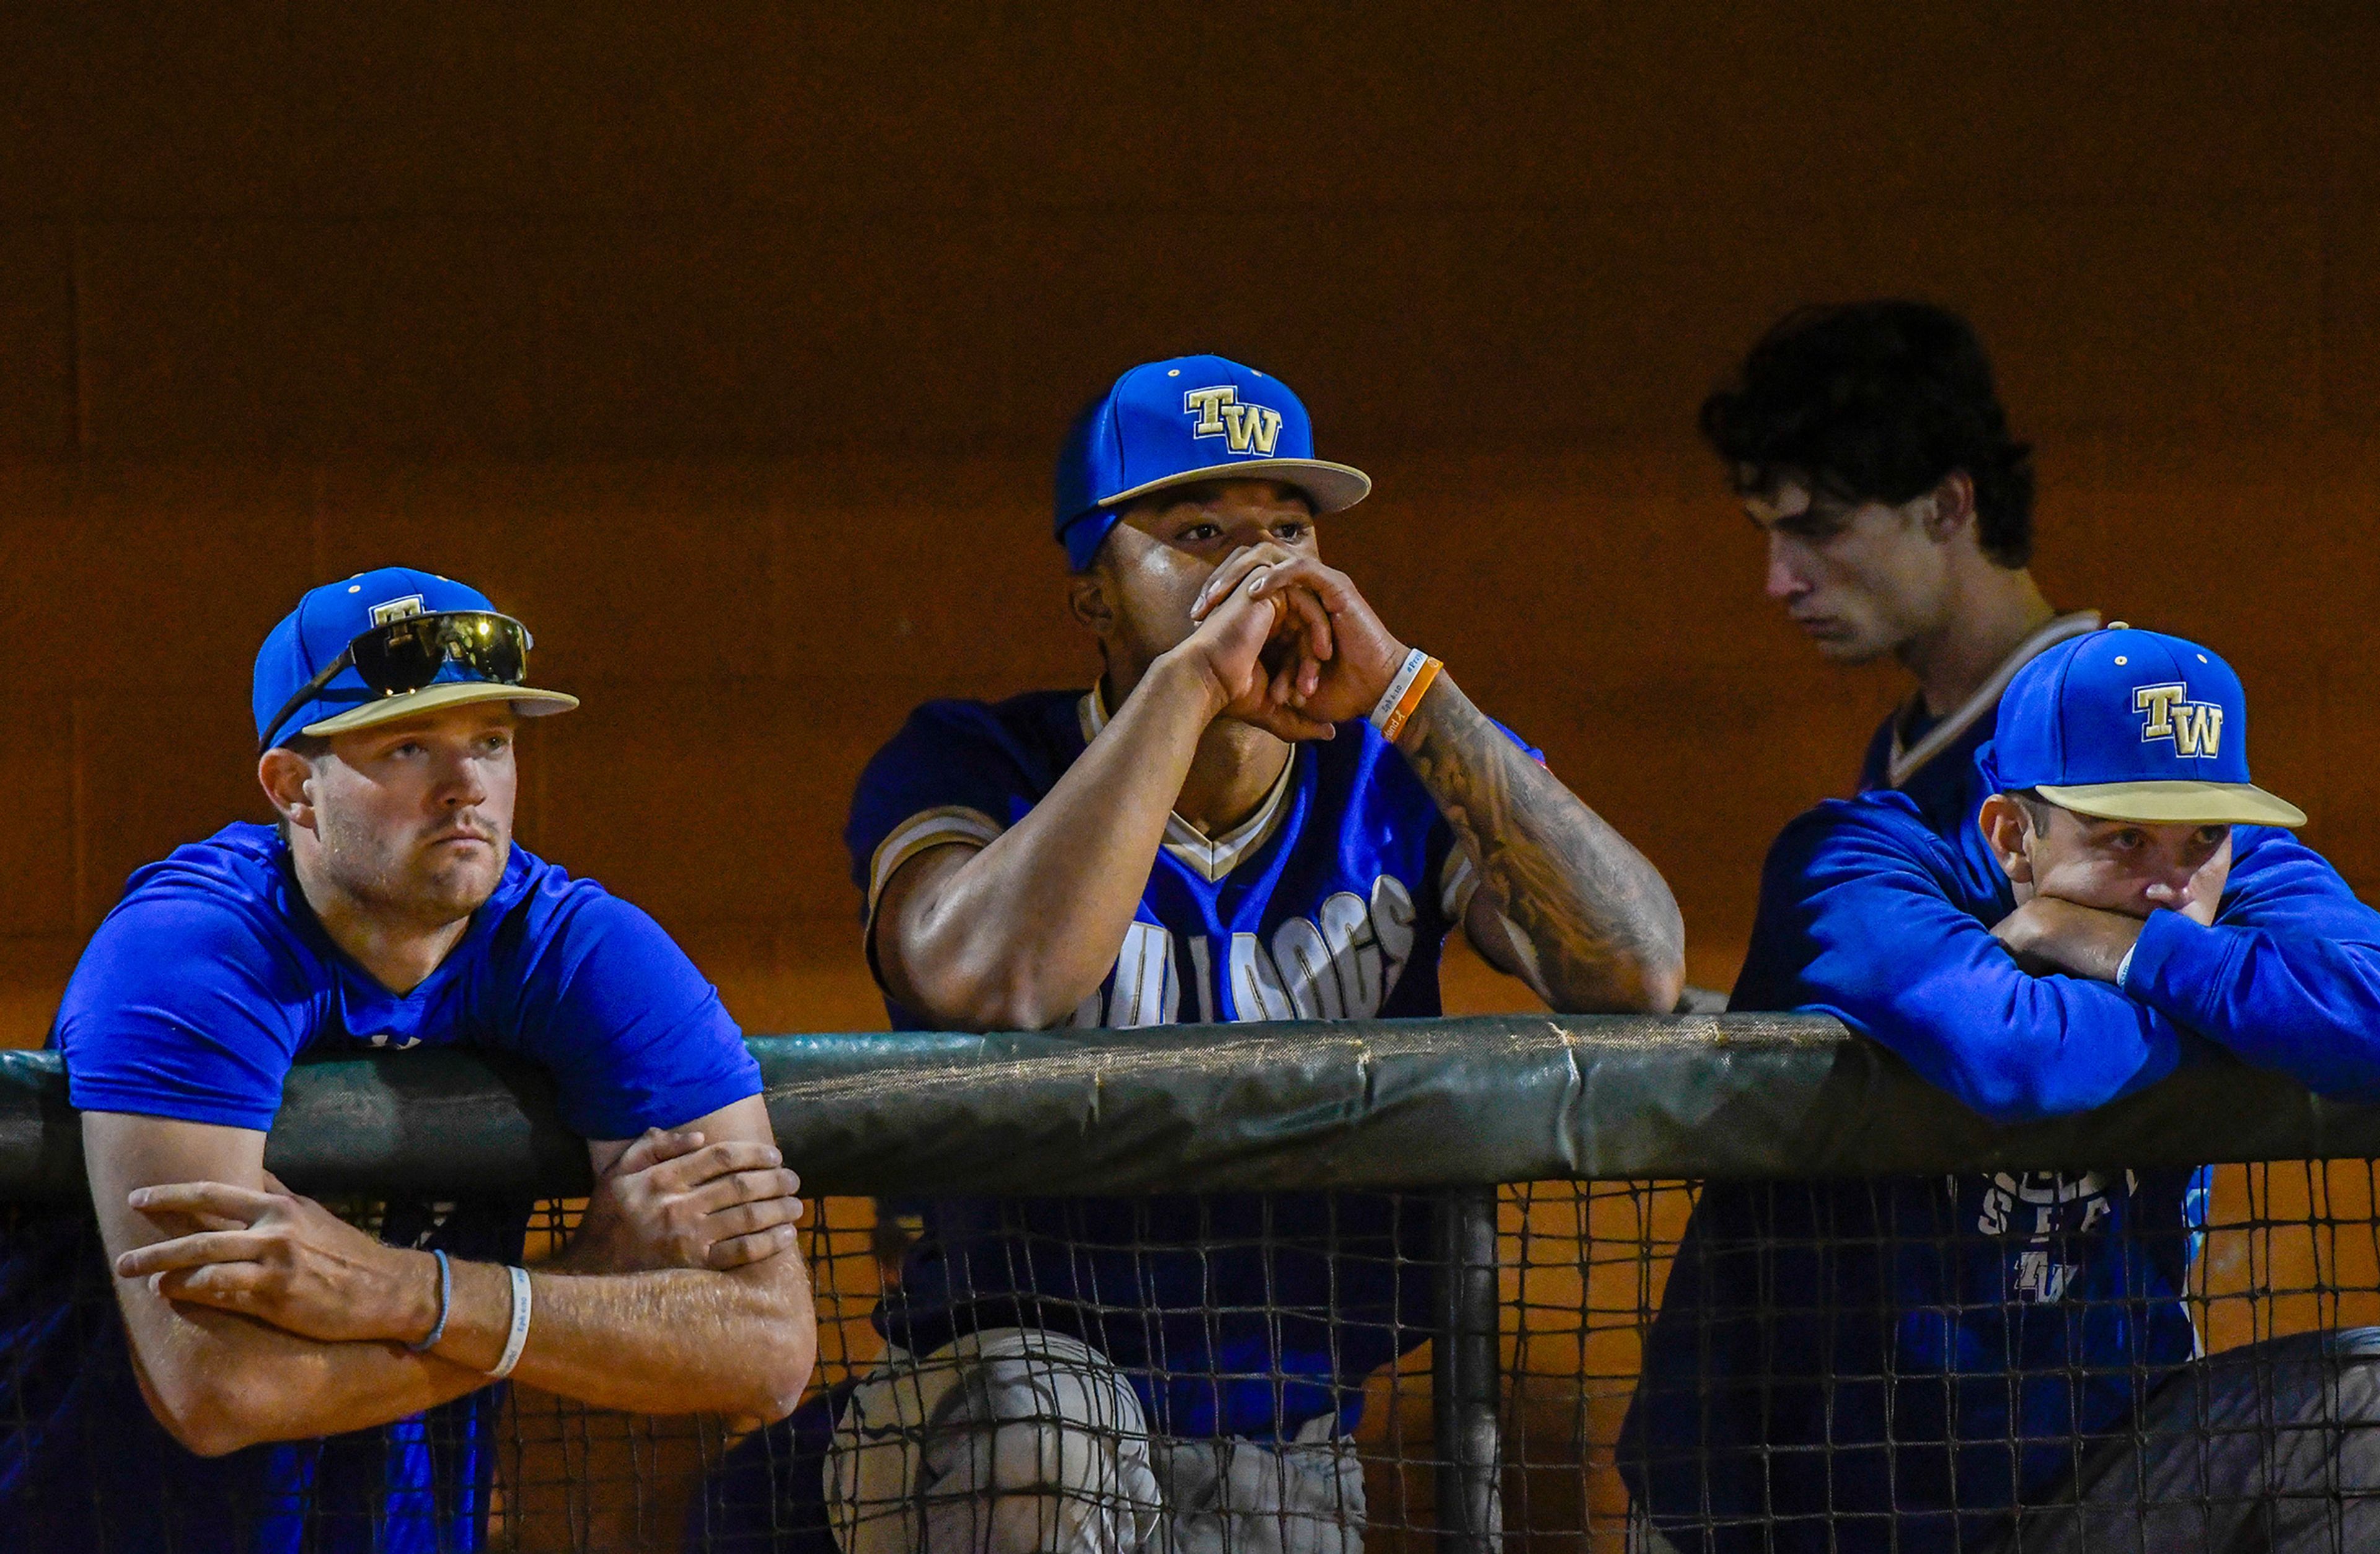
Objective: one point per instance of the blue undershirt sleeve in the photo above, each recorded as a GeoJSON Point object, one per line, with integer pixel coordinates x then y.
{"type": "Point", "coordinates": [1853, 922]}
{"type": "Point", "coordinates": [180, 1009]}
{"type": "Point", "coordinates": [2287, 979]}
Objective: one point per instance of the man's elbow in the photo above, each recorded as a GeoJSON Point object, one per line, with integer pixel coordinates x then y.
{"type": "Point", "coordinates": [1645, 971]}
{"type": "Point", "coordinates": [1658, 985]}
{"type": "Point", "coordinates": [1008, 997]}
{"type": "Point", "coordinates": [2008, 1098]}
{"type": "Point", "coordinates": [1017, 1009]}
{"type": "Point", "coordinates": [213, 1416]}
{"type": "Point", "coordinates": [780, 1370]}
{"type": "Point", "coordinates": [215, 1436]}
{"type": "Point", "coordinates": [1650, 983]}
{"type": "Point", "coordinates": [2007, 1107]}
{"type": "Point", "coordinates": [781, 1392]}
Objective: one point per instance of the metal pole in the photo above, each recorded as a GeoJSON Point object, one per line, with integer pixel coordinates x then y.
{"type": "Point", "coordinates": [1465, 1395]}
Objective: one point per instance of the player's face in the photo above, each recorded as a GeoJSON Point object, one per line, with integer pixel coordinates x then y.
{"type": "Point", "coordinates": [1859, 579]}
{"type": "Point", "coordinates": [1154, 561]}
{"type": "Point", "coordinates": [2124, 866]}
{"type": "Point", "coordinates": [417, 816]}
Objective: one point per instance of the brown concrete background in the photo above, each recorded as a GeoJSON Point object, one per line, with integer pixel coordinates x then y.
{"type": "Point", "coordinates": [729, 347]}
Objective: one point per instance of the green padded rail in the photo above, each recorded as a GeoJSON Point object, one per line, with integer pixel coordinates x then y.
{"type": "Point", "coordinates": [1385, 1103]}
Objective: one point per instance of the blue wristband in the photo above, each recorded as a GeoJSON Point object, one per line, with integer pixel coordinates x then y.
{"type": "Point", "coordinates": [445, 1304]}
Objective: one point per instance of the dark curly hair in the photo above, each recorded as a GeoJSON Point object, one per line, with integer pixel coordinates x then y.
{"type": "Point", "coordinates": [1877, 402]}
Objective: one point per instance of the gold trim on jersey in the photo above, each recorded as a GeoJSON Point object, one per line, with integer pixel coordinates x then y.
{"type": "Point", "coordinates": [1906, 763]}
{"type": "Point", "coordinates": [1212, 857]}
{"type": "Point", "coordinates": [926, 829]}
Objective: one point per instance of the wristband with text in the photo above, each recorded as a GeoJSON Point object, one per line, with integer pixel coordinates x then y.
{"type": "Point", "coordinates": [1404, 693]}
{"type": "Point", "coordinates": [517, 1339]}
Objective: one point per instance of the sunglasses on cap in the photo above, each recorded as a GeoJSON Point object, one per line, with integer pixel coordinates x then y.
{"type": "Point", "coordinates": [407, 655]}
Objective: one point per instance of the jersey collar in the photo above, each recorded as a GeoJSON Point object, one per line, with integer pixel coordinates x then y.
{"type": "Point", "coordinates": [511, 887]}
{"type": "Point", "coordinates": [1211, 858]}
{"type": "Point", "coordinates": [1906, 762]}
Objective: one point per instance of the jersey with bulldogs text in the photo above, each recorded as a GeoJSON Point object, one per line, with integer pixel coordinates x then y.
{"type": "Point", "coordinates": [1231, 1314]}
{"type": "Point", "coordinates": [1896, 1364]}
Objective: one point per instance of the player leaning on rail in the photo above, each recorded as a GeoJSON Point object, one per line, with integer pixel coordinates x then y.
{"type": "Point", "coordinates": [390, 910]}
{"type": "Point", "coordinates": [1871, 449]}
{"type": "Point", "coordinates": [2007, 1361]}
{"type": "Point", "coordinates": [1267, 808]}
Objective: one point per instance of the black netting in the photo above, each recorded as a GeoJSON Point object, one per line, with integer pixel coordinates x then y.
{"type": "Point", "coordinates": [2146, 1360]}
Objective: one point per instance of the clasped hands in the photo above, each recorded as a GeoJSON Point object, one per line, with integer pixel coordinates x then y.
{"type": "Point", "coordinates": [1289, 644]}
{"type": "Point", "coordinates": [670, 1201]}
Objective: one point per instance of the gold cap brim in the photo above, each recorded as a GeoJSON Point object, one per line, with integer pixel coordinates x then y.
{"type": "Point", "coordinates": [527, 701]}
{"type": "Point", "coordinates": [2177, 804]}
{"type": "Point", "coordinates": [1332, 487]}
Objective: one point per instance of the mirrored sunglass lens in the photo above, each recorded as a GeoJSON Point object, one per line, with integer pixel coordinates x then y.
{"type": "Point", "coordinates": [401, 657]}
{"type": "Point", "coordinates": [489, 646]}
{"type": "Point", "coordinates": [408, 655]}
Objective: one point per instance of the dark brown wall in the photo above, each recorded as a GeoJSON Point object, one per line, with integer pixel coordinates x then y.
{"type": "Point", "coordinates": [730, 346]}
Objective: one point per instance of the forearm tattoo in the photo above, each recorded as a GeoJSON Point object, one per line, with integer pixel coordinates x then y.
{"type": "Point", "coordinates": [1599, 920]}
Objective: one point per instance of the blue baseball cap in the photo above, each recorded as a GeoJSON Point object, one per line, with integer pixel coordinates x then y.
{"type": "Point", "coordinates": [1190, 418]}
{"type": "Point", "coordinates": [2124, 724]}
{"type": "Point", "coordinates": [330, 617]}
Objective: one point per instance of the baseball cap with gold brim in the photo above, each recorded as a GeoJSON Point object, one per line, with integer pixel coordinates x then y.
{"type": "Point", "coordinates": [2181, 804]}
{"type": "Point", "coordinates": [1181, 421]}
{"type": "Point", "coordinates": [2124, 724]}
{"type": "Point", "coordinates": [390, 644]}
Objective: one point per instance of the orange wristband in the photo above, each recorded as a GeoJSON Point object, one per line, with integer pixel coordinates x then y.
{"type": "Point", "coordinates": [1394, 723]}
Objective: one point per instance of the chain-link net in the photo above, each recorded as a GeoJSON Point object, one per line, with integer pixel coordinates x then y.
{"type": "Point", "coordinates": [1251, 1373]}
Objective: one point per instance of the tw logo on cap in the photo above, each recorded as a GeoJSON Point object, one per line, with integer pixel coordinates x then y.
{"type": "Point", "coordinates": [1244, 427]}
{"type": "Point", "coordinates": [2196, 727]}
{"type": "Point", "coordinates": [397, 609]}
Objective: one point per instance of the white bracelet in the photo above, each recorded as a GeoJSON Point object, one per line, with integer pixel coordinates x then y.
{"type": "Point", "coordinates": [2124, 967]}
{"type": "Point", "coordinates": [1396, 691]}
{"type": "Point", "coordinates": [518, 1340]}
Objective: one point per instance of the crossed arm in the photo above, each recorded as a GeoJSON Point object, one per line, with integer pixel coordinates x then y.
{"type": "Point", "coordinates": [2023, 1021]}
{"type": "Point", "coordinates": [254, 1314]}
{"type": "Point", "coordinates": [2286, 974]}
{"type": "Point", "coordinates": [1852, 923]}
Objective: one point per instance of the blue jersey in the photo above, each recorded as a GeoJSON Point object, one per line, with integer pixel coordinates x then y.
{"type": "Point", "coordinates": [1933, 759]}
{"type": "Point", "coordinates": [200, 988]}
{"type": "Point", "coordinates": [1985, 1327]}
{"type": "Point", "coordinates": [1943, 786]}
{"type": "Point", "coordinates": [1231, 1314]}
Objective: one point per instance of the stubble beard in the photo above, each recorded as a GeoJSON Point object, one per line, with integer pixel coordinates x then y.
{"type": "Point", "coordinates": [408, 883]}
{"type": "Point", "coordinates": [461, 886]}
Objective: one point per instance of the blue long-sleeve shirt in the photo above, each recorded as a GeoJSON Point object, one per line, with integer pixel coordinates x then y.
{"type": "Point", "coordinates": [1896, 1362]}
